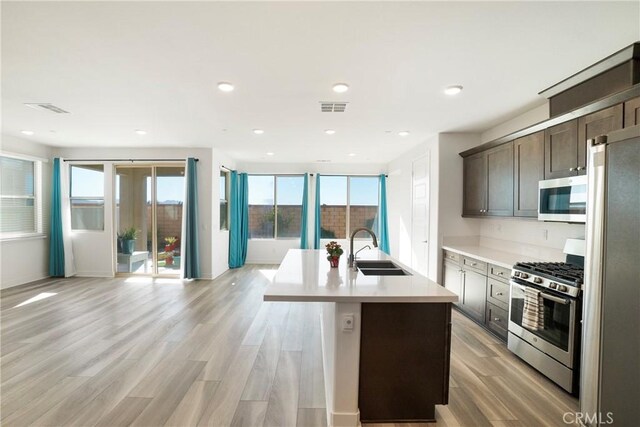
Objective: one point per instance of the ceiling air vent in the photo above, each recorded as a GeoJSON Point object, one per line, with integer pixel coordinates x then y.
{"type": "Point", "coordinates": [323, 161]}
{"type": "Point", "coordinates": [47, 107]}
{"type": "Point", "coordinates": [333, 107]}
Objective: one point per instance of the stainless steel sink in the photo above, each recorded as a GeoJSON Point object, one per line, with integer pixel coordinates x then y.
{"type": "Point", "coordinates": [380, 268]}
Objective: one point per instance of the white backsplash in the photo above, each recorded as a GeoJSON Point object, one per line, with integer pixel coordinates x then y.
{"type": "Point", "coordinates": [535, 239]}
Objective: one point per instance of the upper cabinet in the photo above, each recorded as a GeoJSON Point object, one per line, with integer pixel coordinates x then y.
{"type": "Point", "coordinates": [632, 112]}
{"type": "Point", "coordinates": [596, 124]}
{"type": "Point", "coordinates": [488, 182]}
{"type": "Point", "coordinates": [561, 150]}
{"type": "Point", "coordinates": [528, 169]}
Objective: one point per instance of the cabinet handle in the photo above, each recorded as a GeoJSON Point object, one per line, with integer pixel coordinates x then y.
{"type": "Point", "coordinates": [572, 169]}
{"type": "Point", "coordinates": [496, 319]}
{"type": "Point", "coordinates": [499, 294]}
{"type": "Point", "coordinates": [500, 273]}
{"type": "Point", "coordinates": [579, 168]}
{"type": "Point", "coordinates": [472, 264]}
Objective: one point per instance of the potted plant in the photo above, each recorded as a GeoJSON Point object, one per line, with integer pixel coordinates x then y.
{"type": "Point", "coordinates": [334, 250]}
{"type": "Point", "coordinates": [170, 243]}
{"type": "Point", "coordinates": [128, 237]}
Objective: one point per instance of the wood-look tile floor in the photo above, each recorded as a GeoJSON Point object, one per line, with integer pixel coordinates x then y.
{"type": "Point", "coordinates": [145, 352]}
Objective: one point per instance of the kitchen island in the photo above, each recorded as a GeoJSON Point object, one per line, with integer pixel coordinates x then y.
{"type": "Point", "coordinates": [385, 338]}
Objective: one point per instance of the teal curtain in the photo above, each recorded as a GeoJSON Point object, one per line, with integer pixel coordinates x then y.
{"type": "Point", "coordinates": [239, 229]}
{"type": "Point", "coordinates": [56, 244]}
{"type": "Point", "coordinates": [191, 253]}
{"type": "Point", "coordinates": [304, 235]}
{"type": "Point", "coordinates": [383, 222]}
{"type": "Point", "coordinates": [317, 228]}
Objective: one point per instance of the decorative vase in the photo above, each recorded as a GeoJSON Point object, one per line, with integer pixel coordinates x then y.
{"type": "Point", "coordinates": [168, 260]}
{"type": "Point", "coordinates": [128, 246]}
{"type": "Point", "coordinates": [334, 261]}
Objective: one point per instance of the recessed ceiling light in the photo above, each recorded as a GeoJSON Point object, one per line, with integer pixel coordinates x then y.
{"type": "Point", "coordinates": [26, 132]}
{"type": "Point", "coordinates": [352, 154]}
{"type": "Point", "coordinates": [329, 131]}
{"type": "Point", "coordinates": [340, 87]}
{"type": "Point", "coordinates": [403, 133]}
{"type": "Point", "coordinates": [258, 131]}
{"type": "Point", "coordinates": [270, 153]}
{"type": "Point", "coordinates": [141, 132]}
{"type": "Point", "coordinates": [225, 87]}
{"type": "Point", "coordinates": [453, 90]}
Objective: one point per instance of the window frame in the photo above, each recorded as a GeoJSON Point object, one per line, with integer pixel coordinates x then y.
{"type": "Point", "coordinates": [227, 187]}
{"type": "Point", "coordinates": [348, 206]}
{"type": "Point", "coordinates": [275, 204]}
{"type": "Point", "coordinates": [71, 198]}
{"type": "Point", "coordinates": [38, 211]}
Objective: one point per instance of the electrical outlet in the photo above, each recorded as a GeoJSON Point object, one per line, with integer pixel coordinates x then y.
{"type": "Point", "coordinates": [348, 321]}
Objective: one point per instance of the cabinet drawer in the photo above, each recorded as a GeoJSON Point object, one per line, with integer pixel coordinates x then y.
{"type": "Point", "coordinates": [474, 264]}
{"type": "Point", "coordinates": [451, 256]}
{"type": "Point", "coordinates": [498, 293]}
{"type": "Point", "coordinates": [499, 273]}
{"type": "Point", "coordinates": [497, 320]}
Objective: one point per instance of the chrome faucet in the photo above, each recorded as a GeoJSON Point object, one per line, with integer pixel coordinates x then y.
{"type": "Point", "coordinates": [352, 256]}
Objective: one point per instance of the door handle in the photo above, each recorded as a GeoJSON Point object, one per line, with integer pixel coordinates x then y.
{"type": "Point", "coordinates": [425, 241]}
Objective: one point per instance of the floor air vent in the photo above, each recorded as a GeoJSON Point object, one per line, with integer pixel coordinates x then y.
{"type": "Point", "coordinates": [47, 107]}
{"type": "Point", "coordinates": [333, 107]}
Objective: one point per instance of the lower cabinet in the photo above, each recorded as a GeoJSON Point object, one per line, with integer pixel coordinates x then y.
{"type": "Point", "coordinates": [482, 289]}
{"type": "Point", "coordinates": [474, 294]}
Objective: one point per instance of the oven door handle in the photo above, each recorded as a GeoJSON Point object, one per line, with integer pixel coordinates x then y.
{"type": "Point", "coordinates": [544, 295]}
{"type": "Point", "coordinates": [555, 299]}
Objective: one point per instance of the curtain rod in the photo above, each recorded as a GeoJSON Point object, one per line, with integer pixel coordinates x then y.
{"type": "Point", "coordinates": [356, 175]}
{"type": "Point", "coordinates": [127, 160]}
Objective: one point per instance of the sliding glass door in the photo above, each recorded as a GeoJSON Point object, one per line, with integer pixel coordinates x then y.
{"type": "Point", "coordinates": [149, 202]}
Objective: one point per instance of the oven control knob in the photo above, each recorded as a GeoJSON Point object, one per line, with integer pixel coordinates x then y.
{"type": "Point", "coordinates": [562, 288]}
{"type": "Point", "coordinates": [516, 274]}
{"type": "Point", "coordinates": [553, 285]}
{"type": "Point", "coordinates": [524, 275]}
{"type": "Point", "coordinates": [537, 280]}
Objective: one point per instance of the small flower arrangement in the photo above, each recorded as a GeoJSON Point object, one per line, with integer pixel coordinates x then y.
{"type": "Point", "coordinates": [333, 249]}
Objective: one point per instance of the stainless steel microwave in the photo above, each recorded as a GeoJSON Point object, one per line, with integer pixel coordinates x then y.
{"type": "Point", "coordinates": [563, 199]}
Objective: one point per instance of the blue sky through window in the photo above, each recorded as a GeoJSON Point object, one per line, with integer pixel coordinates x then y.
{"type": "Point", "coordinates": [363, 190]}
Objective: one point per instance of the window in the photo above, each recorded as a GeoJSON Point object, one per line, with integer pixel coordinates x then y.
{"type": "Point", "coordinates": [347, 203]}
{"type": "Point", "coordinates": [20, 212]}
{"type": "Point", "coordinates": [224, 200]}
{"type": "Point", "coordinates": [275, 206]}
{"type": "Point", "coordinates": [87, 197]}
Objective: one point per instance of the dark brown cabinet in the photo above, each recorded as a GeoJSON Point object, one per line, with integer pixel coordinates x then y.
{"type": "Point", "coordinates": [452, 279]}
{"type": "Point", "coordinates": [561, 150]}
{"type": "Point", "coordinates": [599, 123]}
{"type": "Point", "coordinates": [488, 182]}
{"type": "Point", "coordinates": [403, 375]}
{"type": "Point", "coordinates": [528, 169]}
{"type": "Point", "coordinates": [475, 184]}
{"type": "Point", "coordinates": [632, 112]}
{"type": "Point", "coordinates": [474, 294]}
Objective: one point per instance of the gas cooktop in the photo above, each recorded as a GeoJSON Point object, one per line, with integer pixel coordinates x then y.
{"type": "Point", "coordinates": [562, 272]}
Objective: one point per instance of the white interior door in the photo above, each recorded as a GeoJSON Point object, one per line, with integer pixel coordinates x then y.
{"type": "Point", "coordinates": [420, 216]}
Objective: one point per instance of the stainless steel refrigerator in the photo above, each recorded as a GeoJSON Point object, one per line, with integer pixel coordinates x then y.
{"type": "Point", "coordinates": [610, 362]}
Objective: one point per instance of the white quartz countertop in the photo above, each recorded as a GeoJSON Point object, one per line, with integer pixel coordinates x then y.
{"type": "Point", "coordinates": [305, 276]}
{"type": "Point", "coordinates": [492, 256]}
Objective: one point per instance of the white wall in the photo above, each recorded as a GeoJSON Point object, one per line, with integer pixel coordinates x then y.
{"type": "Point", "coordinates": [528, 118]}
{"type": "Point", "coordinates": [272, 251]}
{"type": "Point", "coordinates": [93, 250]}
{"type": "Point", "coordinates": [27, 260]}
{"type": "Point", "coordinates": [219, 238]}
{"type": "Point", "coordinates": [445, 196]}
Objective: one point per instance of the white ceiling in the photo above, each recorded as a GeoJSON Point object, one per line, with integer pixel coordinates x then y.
{"type": "Point", "coordinates": [122, 66]}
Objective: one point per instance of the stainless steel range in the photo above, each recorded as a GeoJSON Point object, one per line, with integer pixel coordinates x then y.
{"type": "Point", "coordinates": [544, 318]}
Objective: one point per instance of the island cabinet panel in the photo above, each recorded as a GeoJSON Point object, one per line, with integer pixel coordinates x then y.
{"type": "Point", "coordinates": [404, 361]}
{"type": "Point", "coordinates": [475, 184]}
{"type": "Point", "coordinates": [632, 112]}
{"type": "Point", "coordinates": [596, 124]}
{"type": "Point", "coordinates": [561, 150]}
{"type": "Point", "coordinates": [500, 180]}
{"type": "Point", "coordinates": [528, 170]}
